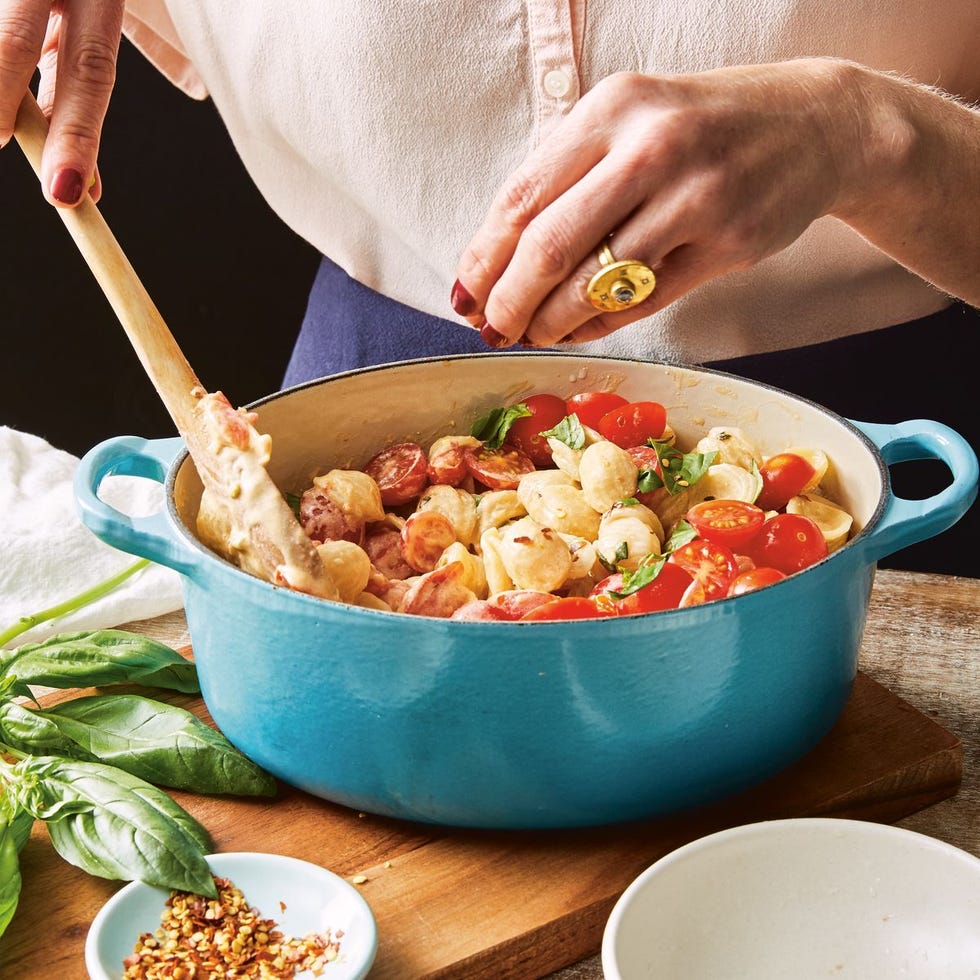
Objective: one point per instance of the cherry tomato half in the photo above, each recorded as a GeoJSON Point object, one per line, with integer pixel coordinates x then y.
{"type": "Point", "coordinates": [754, 578]}
{"type": "Point", "coordinates": [733, 523]}
{"type": "Point", "coordinates": [664, 592]}
{"type": "Point", "coordinates": [711, 564]}
{"type": "Point", "coordinates": [401, 472]}
{"type": "Point", "coordinates": [546, 412]}
{"type": "Point", "coordinates": [499, 469]}
{"type": "Point", "coordinates": [788, 543]}
{"type": "Point", "coordinates": [590, 406]}
{"type": "Point", "coordinates": [632, 424]}
{"type": "Point", "coordinates": [783, 476]}
{"type": "Point", "coordinates": [569, 607]}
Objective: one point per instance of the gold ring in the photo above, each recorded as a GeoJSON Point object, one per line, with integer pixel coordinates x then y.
{"type": "Point", "coordinates": [619, 285]}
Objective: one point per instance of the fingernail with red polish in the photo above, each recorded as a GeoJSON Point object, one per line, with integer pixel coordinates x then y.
{"type": "Point", "coordinates": [67, 186]}
{"type": "Point", "coordinates": [493, 339]}
{"type": "Point", "coordinates": [462, 302]}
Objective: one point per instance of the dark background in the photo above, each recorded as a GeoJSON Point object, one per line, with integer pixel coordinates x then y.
{"type": "Point", "coordinates": [227, 275]}
{"type": "Point", "coordinates": [231, 281]}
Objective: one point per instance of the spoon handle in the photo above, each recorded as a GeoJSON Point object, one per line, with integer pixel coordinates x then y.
{"type": "Point", "coordinates": [155, 346]}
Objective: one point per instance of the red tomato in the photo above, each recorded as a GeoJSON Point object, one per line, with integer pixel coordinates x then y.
{"type": "Point", "coordinates": [783, 476]}
{"type": "Point", "coordinates": [570, 607]}
{"type": "Point", "coordinates": [754, 578]}
{"type": "Point", "coordinates": [499, 469]}
{"type": "Point", "coordinates": [514, 603]}
{"type": "Point", "coordinates": [732, 523]}
{"type": "Point", "coordinates": [665, 592]}
{"type": "Point", "coordinates": [646, 458]}
{"type": "Point", "coordinates": [713, 565]}
{"type": "Point", "coordinates": [401, 472]}
{"type": "Point", "coordinates": [787, 542]}
{"type": "Point", "coordinates": [546, 412]}
{"type": "Point", "coordinates": [590, 406]}
{"type": "Point", "coordinates": [632, 424]}
{"type": "Point", "coordinates": [447, 464]}
{"type": "Point", "coordinates": [425, 536]}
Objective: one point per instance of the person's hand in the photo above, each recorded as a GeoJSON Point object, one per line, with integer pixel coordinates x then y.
{"type": "Point", "coordinates": [74, 43]}
{"type": "Point", "coordinates": [692, 175]}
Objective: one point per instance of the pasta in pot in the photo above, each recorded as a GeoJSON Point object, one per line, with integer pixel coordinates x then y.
{"type": "Point", "coordinates": [473, 529]}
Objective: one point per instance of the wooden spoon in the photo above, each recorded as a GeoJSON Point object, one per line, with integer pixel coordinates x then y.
{"type": "Point", "coordinates": [244, 515]}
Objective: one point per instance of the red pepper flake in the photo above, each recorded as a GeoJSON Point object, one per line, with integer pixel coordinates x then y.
{"type": "Point", "coordinates": [204, 939]}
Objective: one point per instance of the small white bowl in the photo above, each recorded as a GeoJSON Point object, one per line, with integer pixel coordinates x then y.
{"type": "Point", "coordinates": [801, 899]}
{"type": "Point", "coordinates": [315, 900]}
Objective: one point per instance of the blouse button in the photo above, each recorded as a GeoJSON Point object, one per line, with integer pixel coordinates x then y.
{"type": "Point", "coordinates": [557, 83]}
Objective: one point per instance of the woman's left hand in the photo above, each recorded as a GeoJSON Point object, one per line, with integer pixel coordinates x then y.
{"type": "Point", "coordinates": [692, 175]}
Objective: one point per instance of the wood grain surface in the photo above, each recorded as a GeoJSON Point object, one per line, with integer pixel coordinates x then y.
{"type": "Point", "coordinates": [523, 905]}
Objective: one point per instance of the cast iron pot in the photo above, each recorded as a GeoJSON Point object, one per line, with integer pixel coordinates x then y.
{"type": "Point", "coordinates": [509, 724]}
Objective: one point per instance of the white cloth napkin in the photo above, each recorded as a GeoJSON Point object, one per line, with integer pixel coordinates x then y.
{"type": "Point", "coordinates": [48, 556]}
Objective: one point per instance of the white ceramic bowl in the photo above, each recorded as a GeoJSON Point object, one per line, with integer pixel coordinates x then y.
{"type": "Point", "coordinates": [315, 900]}
{"type": "Point", "coordinates": [797, 900]}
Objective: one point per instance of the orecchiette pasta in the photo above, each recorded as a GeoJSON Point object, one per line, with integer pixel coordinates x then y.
{"type": "Point", "coordinates": [627, 535]}
{"type": "Point", "coordinates": [354, 492]}
{"type": "Point", "coordinates": [607, 474]}
{"type": "Point", "coordinates": [496, 508]}
{"type": "Point", "coordinates": [564, 508]}
{"type": "Point", "coordinates": [534, 557]}
{"type": "Point", "coordinates": [349, 566]}
{"type": "Point", "coordinates": [732, 446]}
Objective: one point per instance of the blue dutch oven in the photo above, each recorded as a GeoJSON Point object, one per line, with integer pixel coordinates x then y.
{"type": "Point", "coordinates": [518, 725]}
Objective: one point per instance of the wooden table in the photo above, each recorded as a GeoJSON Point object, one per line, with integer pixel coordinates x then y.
{"type": "Point", "coordinates": [922, 643]}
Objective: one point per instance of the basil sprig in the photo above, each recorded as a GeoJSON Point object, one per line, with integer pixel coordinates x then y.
{"type": "Point", "coordinates": [96, 659]}
{"type": "Point", "coordinates": [493, 427]}
{"type": "Point", "coordinates": [90, 767]}
{"type": "Point", "coordinates": [112, 824]}
{"type": "Point", "coordinates": [678, 470]}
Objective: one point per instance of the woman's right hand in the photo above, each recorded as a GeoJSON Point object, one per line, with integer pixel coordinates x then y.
{"type": "Point", "coordinates": [74, 43]}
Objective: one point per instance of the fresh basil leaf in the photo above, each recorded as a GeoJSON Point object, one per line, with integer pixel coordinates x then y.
{"type": "Point", "coordinates": [569, 431]}
{"type": "Point", "coordinates": [293, 500]}
{"type": "Point", "coordinates": [678, 470]}
{"type": "Point", "coordinates": [645, 573]}
{"type": "Point", "coordinates": [627, 502]}
{"type": "Point", "coordinates": [100, 657]}
{"type": "Point", "coordinates": [160, 743]}
{"type": "Point", "coordinates": [492, 429]}
{"type": "Point", "coordinates": [21, 825]}
{"type": "Point", "coordinates": [17, 819]}
{"type": "Point", "coordinates": [10, 687]}
{"type": "Point", "coordinates": [648, 480]}
{"type": "Point", "coordinates": [10, 880]}
{"type": "Point", "coordinates": [27, 730]}
{"type": "Point", "coordinates": [680, 536]}
{"type": "Point", "coordinates": [114, 825]}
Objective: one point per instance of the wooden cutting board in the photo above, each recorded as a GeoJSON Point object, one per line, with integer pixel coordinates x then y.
{"type": "Point", "coordinates": [502, 904]}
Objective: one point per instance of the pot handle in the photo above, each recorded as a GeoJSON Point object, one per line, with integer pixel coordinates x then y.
{"type": "Point", "coordinates": [907, 522]}
{"type": "Point", "coordinates": [149, 537]}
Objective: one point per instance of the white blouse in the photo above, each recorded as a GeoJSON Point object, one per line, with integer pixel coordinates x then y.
{"type": "Point", "coordinates": [380, 131]}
